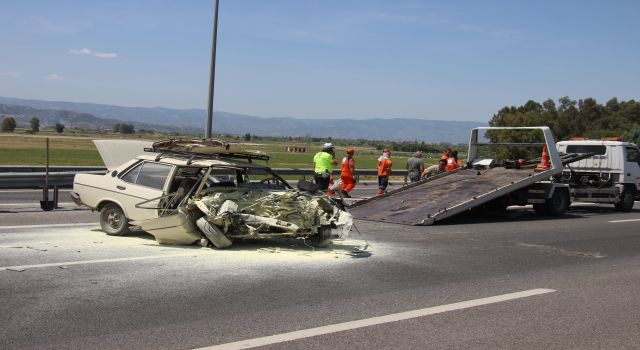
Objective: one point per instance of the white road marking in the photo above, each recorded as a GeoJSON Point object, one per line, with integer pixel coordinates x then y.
{"type": "Point", "coordinates": [98, 261]}
{"type": "Point", "coordinates": [23, 191]}
{"type": "Point", "coordinates": [49, 225]}
{"type": "Point", "coordinates": [35, 204]}
{"type": "Point", "coordinates": [629, 220]}
{"type": "Point", "coordinates": [345, 326]}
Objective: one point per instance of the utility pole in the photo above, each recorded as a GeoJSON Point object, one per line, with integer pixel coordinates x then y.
{"type": "Point", "coordinates": [212, 79]}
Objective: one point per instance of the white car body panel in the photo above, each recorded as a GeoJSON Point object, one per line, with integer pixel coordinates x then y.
{"type": "Point", "coordinates": [97, 189]}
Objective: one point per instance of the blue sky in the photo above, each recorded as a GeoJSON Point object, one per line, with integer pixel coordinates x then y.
{"type": "Point", "coordinates": [445, 60]}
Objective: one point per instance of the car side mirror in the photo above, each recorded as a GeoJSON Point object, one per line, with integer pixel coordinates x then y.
{"type": "Point", "coordinates": [114, 173]}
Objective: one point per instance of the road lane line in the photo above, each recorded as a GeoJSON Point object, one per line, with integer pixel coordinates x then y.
{"type": "Point", "coordinates": [345, 326]}
{"type": "Point", "coordinates": [629, 220]}
{"type": "Point", "coordinates": [98, 261]}
{"type": "Point", "coordinates": [35, 204]}
{"type": "Point", "coordinates": [49, 225]}
{"type": "Point", "coordinates": [25, 191]}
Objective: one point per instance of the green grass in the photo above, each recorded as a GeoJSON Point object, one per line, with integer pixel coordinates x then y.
{"type": "Point", "coordinates": [69, 150]}
{"type": "Point", "coordinates": [56, 157]}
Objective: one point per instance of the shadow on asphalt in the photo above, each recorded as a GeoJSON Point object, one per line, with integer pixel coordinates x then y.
{"type": "Point", "coordinates": [136, 234]}
{"type": "Point", "coordinates": [524, 215]}
{"type": "Point", "coordinates": [353, 248]}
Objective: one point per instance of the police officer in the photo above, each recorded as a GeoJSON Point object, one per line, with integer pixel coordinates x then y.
{"type": "Point", "coordinates": [323, 163]}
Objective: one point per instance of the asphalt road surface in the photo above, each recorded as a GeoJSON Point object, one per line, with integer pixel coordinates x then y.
{"type": "Point", "coordinates": [517, 281]}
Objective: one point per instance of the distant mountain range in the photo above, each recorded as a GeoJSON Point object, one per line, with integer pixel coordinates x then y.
{"type": "Point", "coordinates": [98, 116]}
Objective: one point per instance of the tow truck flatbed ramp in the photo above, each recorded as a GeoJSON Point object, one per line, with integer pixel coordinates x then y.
{"type": "Point", "coordinates": [444, 196]}
{"type": "Point", "coordinates": [448, 194]}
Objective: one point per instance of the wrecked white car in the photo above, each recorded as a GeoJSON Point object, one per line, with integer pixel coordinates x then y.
{"type": "Point", "coordinates": [185, 191]}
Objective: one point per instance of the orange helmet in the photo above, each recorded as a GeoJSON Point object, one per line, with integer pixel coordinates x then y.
{"type": "Point", "coordinates": [350, 150]}
{"type": "Point", "coordinates": [386, 150]}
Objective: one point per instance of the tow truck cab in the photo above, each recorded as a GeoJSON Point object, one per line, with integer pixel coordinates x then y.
{"type": "Point", "coordinates": [613, 162]}
{"type": "Point", "coordinates": [611, 175]}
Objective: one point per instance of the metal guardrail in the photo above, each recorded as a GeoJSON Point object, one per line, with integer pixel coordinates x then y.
{"type": "Point", "coordinates": [26, 177]}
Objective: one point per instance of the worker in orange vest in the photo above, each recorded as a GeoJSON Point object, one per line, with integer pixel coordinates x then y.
{"type": "Point", "coordinates": [384, 171]}
{"type": "Point", "coordinates": [446, 154]}
{"type": "Point", "coordinates": [348, 171]}
{"type": "Point", "coordinates": [452, 160]}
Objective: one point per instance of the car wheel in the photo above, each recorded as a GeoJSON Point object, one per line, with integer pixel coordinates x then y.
{"type": "Point", "coordinates": [558, 203]}
{"type": "Point", "coordinates": [626, 200]}
{"type": "Point", "coordinates": [113, 221]}
{"type": "Point", "coordinates": [322, 239]}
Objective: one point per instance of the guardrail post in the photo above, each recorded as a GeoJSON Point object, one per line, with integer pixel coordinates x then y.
{"type": "Point", "coordinates": [55, 197]}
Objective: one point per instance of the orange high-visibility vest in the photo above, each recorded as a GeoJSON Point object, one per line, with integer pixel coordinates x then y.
{"type": "Point", "coordinates": [384, 167]}
{"type": "Point", "coordinates": [346, 165]}
{"type": "Point", "coordinates": [451, 164]}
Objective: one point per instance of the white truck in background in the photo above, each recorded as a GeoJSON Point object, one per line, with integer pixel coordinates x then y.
{"type": "Point", "coordinates": [611, 175]}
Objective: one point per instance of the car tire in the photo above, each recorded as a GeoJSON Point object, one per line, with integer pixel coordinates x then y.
{"type": "Point", "coordinates": [113, 221]}
{"type": "Point", "coordinates": [322, 239]}
{"type": "Point", "coordinates": [626, 200]}
{"type": "Point", "coordinates": [558, 203]}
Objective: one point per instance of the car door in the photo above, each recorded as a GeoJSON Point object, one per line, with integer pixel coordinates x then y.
{"type": "Point", "coordinates": [142, 182]}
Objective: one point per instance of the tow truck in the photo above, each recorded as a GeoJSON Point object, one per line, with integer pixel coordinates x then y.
{"type": "Point", "coordinates": [549, 188]}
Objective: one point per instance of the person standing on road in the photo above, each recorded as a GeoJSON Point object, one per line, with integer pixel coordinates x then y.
{"type": "Point", "coordinates": [323, 163]}
{"type": "Point", "coordinates": [384, 171]}
{"type": "Point", "coordinates": [415, 167]}
{"type": "Point", "coordinates": [348, 172]}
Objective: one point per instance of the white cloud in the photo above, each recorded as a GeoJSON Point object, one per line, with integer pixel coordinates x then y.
{"type": "Point", "coordinates": [53, 77]}
{"type": "Point", "coordinates": [89, 52]}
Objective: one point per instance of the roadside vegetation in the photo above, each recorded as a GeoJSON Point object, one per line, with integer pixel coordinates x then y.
{"type": "Point", "coordinates": [571, 118]}
{"type": "Point", "coordinates": [75, 148]}
{"type": "Point", "coordinates": [566, 118]}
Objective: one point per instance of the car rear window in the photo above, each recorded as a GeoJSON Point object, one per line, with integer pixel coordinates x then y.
{"type": "Point", "coordinates": [148, 174]}
{"type": "Point", "coordinates": [597, 149]}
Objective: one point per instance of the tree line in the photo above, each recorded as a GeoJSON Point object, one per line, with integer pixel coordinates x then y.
{"type": "Point", "coordinates": [9, 125]}
{"type": "Point", "coordinates": [582, 118]}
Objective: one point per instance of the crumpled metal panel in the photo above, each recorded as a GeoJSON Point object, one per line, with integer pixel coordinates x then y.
{"type": "Point", "coordinates": [282, 207]}
{"type": "Point", "coordinates": [177, 228]}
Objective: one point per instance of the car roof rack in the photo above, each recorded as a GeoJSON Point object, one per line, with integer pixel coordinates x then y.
{"type": "Point", "coordinates": [203, 149]}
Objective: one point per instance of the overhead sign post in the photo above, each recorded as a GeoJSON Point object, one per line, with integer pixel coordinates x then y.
{"type": "Point", "coordinates": [212, 79]}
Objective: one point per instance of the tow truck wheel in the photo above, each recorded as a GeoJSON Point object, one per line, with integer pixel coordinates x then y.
{"type": "Point", "coordinates": [322, 239]}
{"type": "Point", "coordinates": [626, 200]}
{"type": "Point", "coordinates": [558, 203]}
{"type": "Point", "coordinates": [113, 221]}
